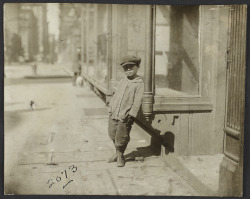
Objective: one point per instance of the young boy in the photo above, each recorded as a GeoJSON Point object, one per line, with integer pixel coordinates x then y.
{"type": "Point", "coordinates": [124, 106]}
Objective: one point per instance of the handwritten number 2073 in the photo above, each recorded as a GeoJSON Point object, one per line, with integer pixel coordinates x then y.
{"type": "Point", "coordinates": [73, 168]}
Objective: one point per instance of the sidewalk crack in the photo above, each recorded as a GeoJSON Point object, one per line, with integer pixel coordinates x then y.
{"type": "Point", "coordinates": [113, 182]}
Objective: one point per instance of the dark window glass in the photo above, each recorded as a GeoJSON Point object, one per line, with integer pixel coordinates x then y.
{"type": "Point", "coordinates": [177, 68]}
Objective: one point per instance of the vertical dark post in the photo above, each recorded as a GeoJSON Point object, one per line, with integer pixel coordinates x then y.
{"type": "Point", "coordinates": [109, 48]}
{"type": "Point", "coordinates": [82, 37]}
{"type": "Point", "coordinates": [148, 97]}
{"type": "Point", "coordinates": [231, 168]}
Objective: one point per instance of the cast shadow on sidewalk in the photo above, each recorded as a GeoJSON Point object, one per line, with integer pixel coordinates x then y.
{"type": "Point", "coordinates": [144, 152]}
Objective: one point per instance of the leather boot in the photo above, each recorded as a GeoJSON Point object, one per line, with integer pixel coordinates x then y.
{"type": "Point", "coordinates": [120, 159]}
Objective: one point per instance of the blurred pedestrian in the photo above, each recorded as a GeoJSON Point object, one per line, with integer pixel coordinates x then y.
{"type": "Point", "coordinates": [124, 107]}
{"type": "Point", "coordinates": [76, 65]}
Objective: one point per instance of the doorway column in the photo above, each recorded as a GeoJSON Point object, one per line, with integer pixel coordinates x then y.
{"type": "Point", "coordinates": [231, 168]}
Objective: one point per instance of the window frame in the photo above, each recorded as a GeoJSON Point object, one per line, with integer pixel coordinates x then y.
{"type": "Point", "coordinates": [116, 42]}
{"type": "Point", "coordinates": [88, 8]}
{"type": "Point", "coordinates": [198, 102]}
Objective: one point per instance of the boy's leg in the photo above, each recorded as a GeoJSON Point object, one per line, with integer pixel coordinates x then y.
{"type": "Point", "coordinates": [122, 136]}
{"type": "Point", "coordinates": [122, 139]}
{"type": "Point", "coordinates": [112, 128]}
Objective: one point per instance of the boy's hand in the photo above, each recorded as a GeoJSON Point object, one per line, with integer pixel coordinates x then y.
{"type": "Point", "coordinates": [130, 120]}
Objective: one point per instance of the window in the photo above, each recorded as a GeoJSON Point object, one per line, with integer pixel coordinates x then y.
{"type": "Point", "coordinates": [102, 44]}
{"type": "Point", "coordinates": [91, 49]}
{"type": "Point", "coordinates": [177, 65]}
{"type": "Point", "coordinates": [132, 35]}
{"type": "Point", "coordinates": [84, 36]}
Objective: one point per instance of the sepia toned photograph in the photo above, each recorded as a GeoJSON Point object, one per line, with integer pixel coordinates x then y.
{"type": "Point", "coordinates": [124, 99]}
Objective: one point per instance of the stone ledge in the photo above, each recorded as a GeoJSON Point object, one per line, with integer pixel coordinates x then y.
{"type": "Point", "coordinates": [202, 172]}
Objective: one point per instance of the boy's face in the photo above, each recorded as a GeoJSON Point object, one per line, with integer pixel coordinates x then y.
{"type": "Point", "coordinates": [130, 70]}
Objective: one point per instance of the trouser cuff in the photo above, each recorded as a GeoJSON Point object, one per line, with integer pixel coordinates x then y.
{"type": "Point", "coordinates": [121, 148]}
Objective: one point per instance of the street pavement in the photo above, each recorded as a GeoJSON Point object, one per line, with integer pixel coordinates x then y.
{"type": "Point", "coordinates": [62, 146]}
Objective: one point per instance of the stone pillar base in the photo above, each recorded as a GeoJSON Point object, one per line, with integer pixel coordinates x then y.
{"type": "Point", "coordinates": [228, 174]}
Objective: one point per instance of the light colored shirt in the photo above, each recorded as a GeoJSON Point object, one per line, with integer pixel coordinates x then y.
{"type": "Point", "coordinates": [127, 99]}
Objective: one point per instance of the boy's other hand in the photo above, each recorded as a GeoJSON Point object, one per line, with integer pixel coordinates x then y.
{"type": "Point", "coordinates": [130, 120]}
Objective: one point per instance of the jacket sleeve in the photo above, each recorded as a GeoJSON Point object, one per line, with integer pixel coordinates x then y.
{"type": "Point", "coordinates": [113, 97]}
{"type": "Point", "coordinates": [113, 93]}
{"type": "Point", "coordinates": [110, 103]}
{"type": "Point", "coordinates": [137, 101]}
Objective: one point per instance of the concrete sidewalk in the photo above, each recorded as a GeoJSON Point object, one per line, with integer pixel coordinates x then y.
{"type": "Point", "coordinates": [66, 146]}
{"type": "Point", "coordinates": [37, 71]}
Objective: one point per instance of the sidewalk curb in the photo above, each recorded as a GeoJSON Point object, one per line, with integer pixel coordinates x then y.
{"type": "Point", "coordinates": [172, 161]}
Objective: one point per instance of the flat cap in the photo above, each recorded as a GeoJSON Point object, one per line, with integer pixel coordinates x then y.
{"type": "Point", "coordinates": [130, 60]}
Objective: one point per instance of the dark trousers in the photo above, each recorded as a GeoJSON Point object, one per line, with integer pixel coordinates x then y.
{"type": "Point", "coordinates": [119, 133]}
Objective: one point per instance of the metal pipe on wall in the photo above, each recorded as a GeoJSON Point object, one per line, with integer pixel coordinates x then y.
{"type": "Point", "coordinates": [148, 97]}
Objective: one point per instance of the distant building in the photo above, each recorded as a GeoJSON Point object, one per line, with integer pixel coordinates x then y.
{"type": "Point", "coordinates": [12, 40]}
{"type": "Point", "coordinates": [26, 32]}
{"type": "Point", "coordinates": [69, 30]}
{"type": "Point", "coordinates": [40, 13]}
